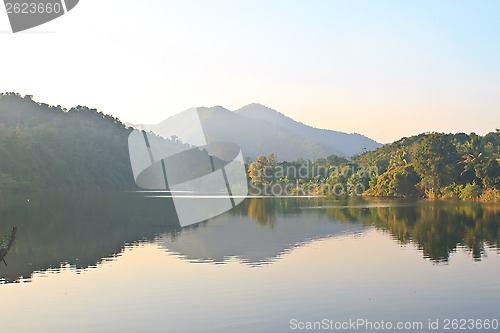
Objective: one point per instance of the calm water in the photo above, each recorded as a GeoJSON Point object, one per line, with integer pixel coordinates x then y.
{"type": "Point", "coordinates": [121, 263]}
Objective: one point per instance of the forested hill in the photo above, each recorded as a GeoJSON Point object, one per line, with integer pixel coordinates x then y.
{"type": "Point", "coordinates": [430, 165]}
{"type": "Point", "coordinates": [437, 165]}
{"type": "Point", "coordinates": [44, 147]}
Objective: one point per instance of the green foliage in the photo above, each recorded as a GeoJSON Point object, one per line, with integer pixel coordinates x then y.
{"type": "Point", "coordinates": [358, 182]}
{"type": "Point", "coordinates": [452, 191]}
{"type": "Point", "coordinates": [431, 165]}
{"type": "Point", "coordinates": [334, 160]}
{"type": "Point", "coordinates": [435, 159]}
{"type": "Point", "coordinates": [480, 160]}
{"type": "Point", "coordinates": [306, 177]}
{"type": "Point", "coordinates": [490, 194]}
{"type": "Point", "coordinates": [259, 171]}
{"type": "Point", "coordinates": [399, 181]}
{"type": "Point", "coordinates": [446, 166]}
{"type": "Point", "coordinates": [45, 147]}
{"type": "Point", "coordinates": [470, 192]}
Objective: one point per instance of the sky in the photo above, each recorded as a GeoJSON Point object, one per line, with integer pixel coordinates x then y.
{"type": "Point", "coordinates": [385, 69]}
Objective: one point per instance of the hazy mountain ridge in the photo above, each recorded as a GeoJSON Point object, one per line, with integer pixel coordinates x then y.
{"type": "Point", "coordinates": [255, 137]}
{"type": "Point", "coordinates": [352, 143]}
{"type": "Point", "coordinates": [260, 130]}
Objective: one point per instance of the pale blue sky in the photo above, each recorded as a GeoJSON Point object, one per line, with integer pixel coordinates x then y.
{"type": "Point", "coordinates": [385, 69]}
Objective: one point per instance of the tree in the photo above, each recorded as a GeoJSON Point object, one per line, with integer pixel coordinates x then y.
{"type": "Point", "coordinates": [399, 181]}
{"type": "Point", "coordinates": [358, 182]}
{"type": "Point", "coordinates": [472, 158]}
{"type": "Point", "coordinates": [470, 192]}
{"type": "Point", "coordinates": [435, 159]}
{"type": "Point", "coordinates": [257, 171]}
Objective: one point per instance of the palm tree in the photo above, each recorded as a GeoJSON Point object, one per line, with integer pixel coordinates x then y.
{"type": "Point", "coordinates": [473, 157]}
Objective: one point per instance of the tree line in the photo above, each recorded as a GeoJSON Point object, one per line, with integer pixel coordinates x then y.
{"type": "Point", "coordinates": [45, 147]}
{"type": "Point", "coordinates": [429, 165]}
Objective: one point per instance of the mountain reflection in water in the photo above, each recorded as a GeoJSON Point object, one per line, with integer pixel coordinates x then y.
{"type": "Point", "coordinates": [83, 229]}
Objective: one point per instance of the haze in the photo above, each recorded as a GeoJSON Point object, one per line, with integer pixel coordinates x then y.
{"type": "Point", "coordinates": [386, 69]}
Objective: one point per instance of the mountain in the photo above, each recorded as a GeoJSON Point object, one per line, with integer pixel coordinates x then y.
{"type": "Point", "coordinates": [46, 147]}
{"type": "Point", "coordinates": [349, 144]}
{"type": "Point", "coordinates": [254, 240]}
{"type": "Point", "coordinates": [259, 130]}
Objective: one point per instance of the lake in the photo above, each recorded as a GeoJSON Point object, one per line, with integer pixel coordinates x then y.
{"type": "Point", "coordinates": [120, 262]}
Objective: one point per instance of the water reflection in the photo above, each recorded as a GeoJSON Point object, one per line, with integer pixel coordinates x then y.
{"type": "Point", "coordinates": [83, 229]}
{"type": "Point", "coordinates": [259, 231]}
{"type": "Point", "coordinates": [437, 228]}
{"type": "Point", "coordinates": [262, 211]}
{"type": "Point", "coordinates": [6, 244]}
{"type": "Point", "coordinates": [77, 229]}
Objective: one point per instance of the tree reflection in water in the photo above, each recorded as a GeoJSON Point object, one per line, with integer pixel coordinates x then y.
{"type": "Point", "coordinates": [83, 229]}
{"type": "Point", "coordinates": [438, 228]}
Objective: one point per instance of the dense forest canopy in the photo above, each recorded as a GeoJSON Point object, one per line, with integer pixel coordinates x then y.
{"type": "Point", "coordinates": [430, 165]}
{"type": "Point", "coordinates": [436, 165]}
{"type": "Point", "coordinates": [49, 147]}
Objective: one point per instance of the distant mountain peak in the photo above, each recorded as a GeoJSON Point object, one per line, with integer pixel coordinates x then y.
{"type": "Point", "coordinates": [261, 130]}
{"type": "Point", "coordinates": [212, 108]}
{"type": "Point", "coordinates": [258, 105]}
{"type": "Point", "coordinates": [259, 108]}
